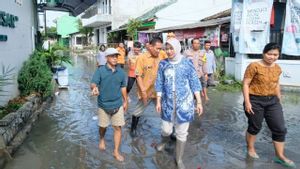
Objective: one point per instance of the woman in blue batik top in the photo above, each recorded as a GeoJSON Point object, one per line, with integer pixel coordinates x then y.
{"type": "Point", "coordinates": [176, 85]}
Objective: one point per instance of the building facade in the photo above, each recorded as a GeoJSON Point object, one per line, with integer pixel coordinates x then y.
{"type": "Point", "coordinates": [18, 27]}
{"type": "Point", "coordinates": [290, 64]}
{"type": "Point", "coordinates": [108, 15]}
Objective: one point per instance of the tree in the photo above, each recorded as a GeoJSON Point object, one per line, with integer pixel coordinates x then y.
{"type": "Point", "coordinates": [51, 32]}
{"type": "Point", "coordinates": [132, 27]}
{"type": "Point", "coordinates": [86, 31]}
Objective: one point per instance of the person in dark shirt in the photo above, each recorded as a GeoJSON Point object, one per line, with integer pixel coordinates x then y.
{"type": "Point", "coordinates": [109, 84]}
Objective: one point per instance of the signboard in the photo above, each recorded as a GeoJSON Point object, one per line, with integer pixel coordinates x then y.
{"type": "Point", "coordinates": [255, 26]}
{"type": "Point", "coordinates": [7, 20]}
{"type": "Point", "coordinates": [189, 33]}
{"type": "Point", "coordinates": [236, 20]}
{"type": "Point", "coordinates": [291, 35]}
{"type": "Point", "coordinates": [213, 35]}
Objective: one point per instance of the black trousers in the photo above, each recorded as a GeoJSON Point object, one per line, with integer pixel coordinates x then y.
{"type": "Point", "coordinates": [270, 109]}
{"type": "Point", "coordinates": [130, 83]}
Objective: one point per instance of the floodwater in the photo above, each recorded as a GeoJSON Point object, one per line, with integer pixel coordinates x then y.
{"type": "Point", "coordinates": [66, 134]}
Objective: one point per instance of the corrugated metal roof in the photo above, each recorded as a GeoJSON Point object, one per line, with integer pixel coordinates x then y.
{"type": "Point", "coordinates": [218, 15]}
{"type": "Point", "coordinates": [75, 7]}
{"type": "Point", "coordinates": [151, 14]}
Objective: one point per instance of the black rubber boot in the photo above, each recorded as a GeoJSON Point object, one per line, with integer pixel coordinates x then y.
{"type": "Point", "coordinates": [134, 123]}
{"type": "Point", "coordinates": [173, 135]}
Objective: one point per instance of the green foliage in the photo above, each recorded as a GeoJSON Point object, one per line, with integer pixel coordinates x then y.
{"type": "Point", "coordinates": [55, 56]}
{"type": "Point", "coordinates": [132, 27]}
{"type": "Point", "coordinates": [35, 76]}
{"type": "Point", "coordinates": [225, 86]}
{"type": "Point", "coordinates": [51, 32]}
{"type": "Point", "coordinates": [112, 37]}
{"type": "Point", "coordinates": [86, 31]}
{"type": "Point", "coordinates": [11, 107]}
{"type": "Point", "coordinates": [220, 62]}
{"type": "Point", "coordinates": [5, 78]}
{"type": "Point", "coordinates": [220, 70]}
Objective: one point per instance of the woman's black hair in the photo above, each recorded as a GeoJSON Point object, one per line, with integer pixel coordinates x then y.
{"type": "Point", "coordinates": [101, 47]}
{"type": "Point", "coordinates": [271, 46]}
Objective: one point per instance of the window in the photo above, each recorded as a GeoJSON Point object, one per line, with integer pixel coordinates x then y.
{"type": "Point", "coordinates": [78, 40]}
{"type": "Point", "coordinates": [109, 7]}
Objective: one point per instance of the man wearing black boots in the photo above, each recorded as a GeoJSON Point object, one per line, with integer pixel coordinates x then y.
{"type": "Point", "coordinates": [146, 71]}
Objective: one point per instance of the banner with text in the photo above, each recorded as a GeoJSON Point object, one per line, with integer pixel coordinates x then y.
{"type": "Point", "coordinates": [291, 35]}
{"type": "Point", "coordinates": [255, 26]}
{"type": "Point", "coordinates": [236, 19]}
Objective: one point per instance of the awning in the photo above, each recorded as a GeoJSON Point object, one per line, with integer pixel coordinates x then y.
{"type": "Point", "coordinates": [75, 7]}
{"type": "Point", "coordinates": [213, 22]}
{"type": "Point", "coordinates": [149, 31]}
{"type": "Point", "coordinates": [116, 30]}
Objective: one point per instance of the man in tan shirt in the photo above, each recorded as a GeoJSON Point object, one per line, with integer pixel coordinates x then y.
{"type": "Point", "coordinates": [146, 72]}
{"type": "Point", "coordinates": [200, 64]}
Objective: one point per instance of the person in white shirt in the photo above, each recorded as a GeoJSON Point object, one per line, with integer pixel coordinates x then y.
{"type": "Point", "coordinates": [100, 57]}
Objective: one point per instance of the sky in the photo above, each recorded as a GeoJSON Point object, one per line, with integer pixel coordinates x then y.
{"type": "Point", "coordinates": [50, 17]}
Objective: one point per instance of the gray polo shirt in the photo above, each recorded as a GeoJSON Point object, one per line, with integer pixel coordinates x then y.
{"type": "Point", "coordinates": [109, 84]}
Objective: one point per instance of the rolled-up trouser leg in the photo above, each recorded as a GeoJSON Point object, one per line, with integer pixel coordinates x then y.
{"type": "Point", "coordinates": [255, 120]}
{"type": "Point", "coordinates": [181, 131]}
{"type": "Point", "coordinates": [166, 128]}
{"type": "Point", "coordinates": [275, 120]}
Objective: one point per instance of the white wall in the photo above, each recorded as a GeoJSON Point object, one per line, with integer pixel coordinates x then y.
{"type": "Point", "coordinates": [230, 66]}
{"type": "Point", "coordinates": [290, 69]}
{"type": "Point", "coordinates": [73, 41]}
{"type": "Point", "coordinates": [290, 72]}
{"type": "Point", "coordinates": [20, 43]}
{"type": "Point", "coordinates": [126, 9]}
{"type": "Point", "coordinates": [102, 34]}
{"type": "Point", "coordinates": [189, 11]}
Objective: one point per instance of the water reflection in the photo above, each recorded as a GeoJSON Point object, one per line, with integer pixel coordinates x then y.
{"type": "Point", "coordinates": [66, 136]}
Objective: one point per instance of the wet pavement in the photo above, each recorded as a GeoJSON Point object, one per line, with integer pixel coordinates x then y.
{"type": "Point", "coordinates": [66, 135]}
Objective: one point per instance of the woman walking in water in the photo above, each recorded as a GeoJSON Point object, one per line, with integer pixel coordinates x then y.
{"type": "Point", "coordinates": [176, 85]}
{"type": "Point", "coordinates": [262, 97]}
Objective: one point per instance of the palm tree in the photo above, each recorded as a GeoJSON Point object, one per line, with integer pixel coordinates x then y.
{"type": "Point", "coordinates": [86, 31]}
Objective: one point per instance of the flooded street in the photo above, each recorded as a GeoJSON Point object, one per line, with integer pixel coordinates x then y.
{"type": "Point", "coordinates": [66, 135]}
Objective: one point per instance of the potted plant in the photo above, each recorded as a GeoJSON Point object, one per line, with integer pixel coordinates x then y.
{"type": "Point", "coordinates": [56, 58]}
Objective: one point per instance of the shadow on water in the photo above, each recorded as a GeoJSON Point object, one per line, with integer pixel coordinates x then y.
{"type": "Point", "coordinates": [66, 136]}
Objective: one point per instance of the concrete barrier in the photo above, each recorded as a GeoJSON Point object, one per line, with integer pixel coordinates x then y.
{"type": "Point", "coordinates": [15, 126]}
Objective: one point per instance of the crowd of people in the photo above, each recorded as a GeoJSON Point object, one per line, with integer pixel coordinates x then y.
{"type": "Point", "coordinates": [176, 82]}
